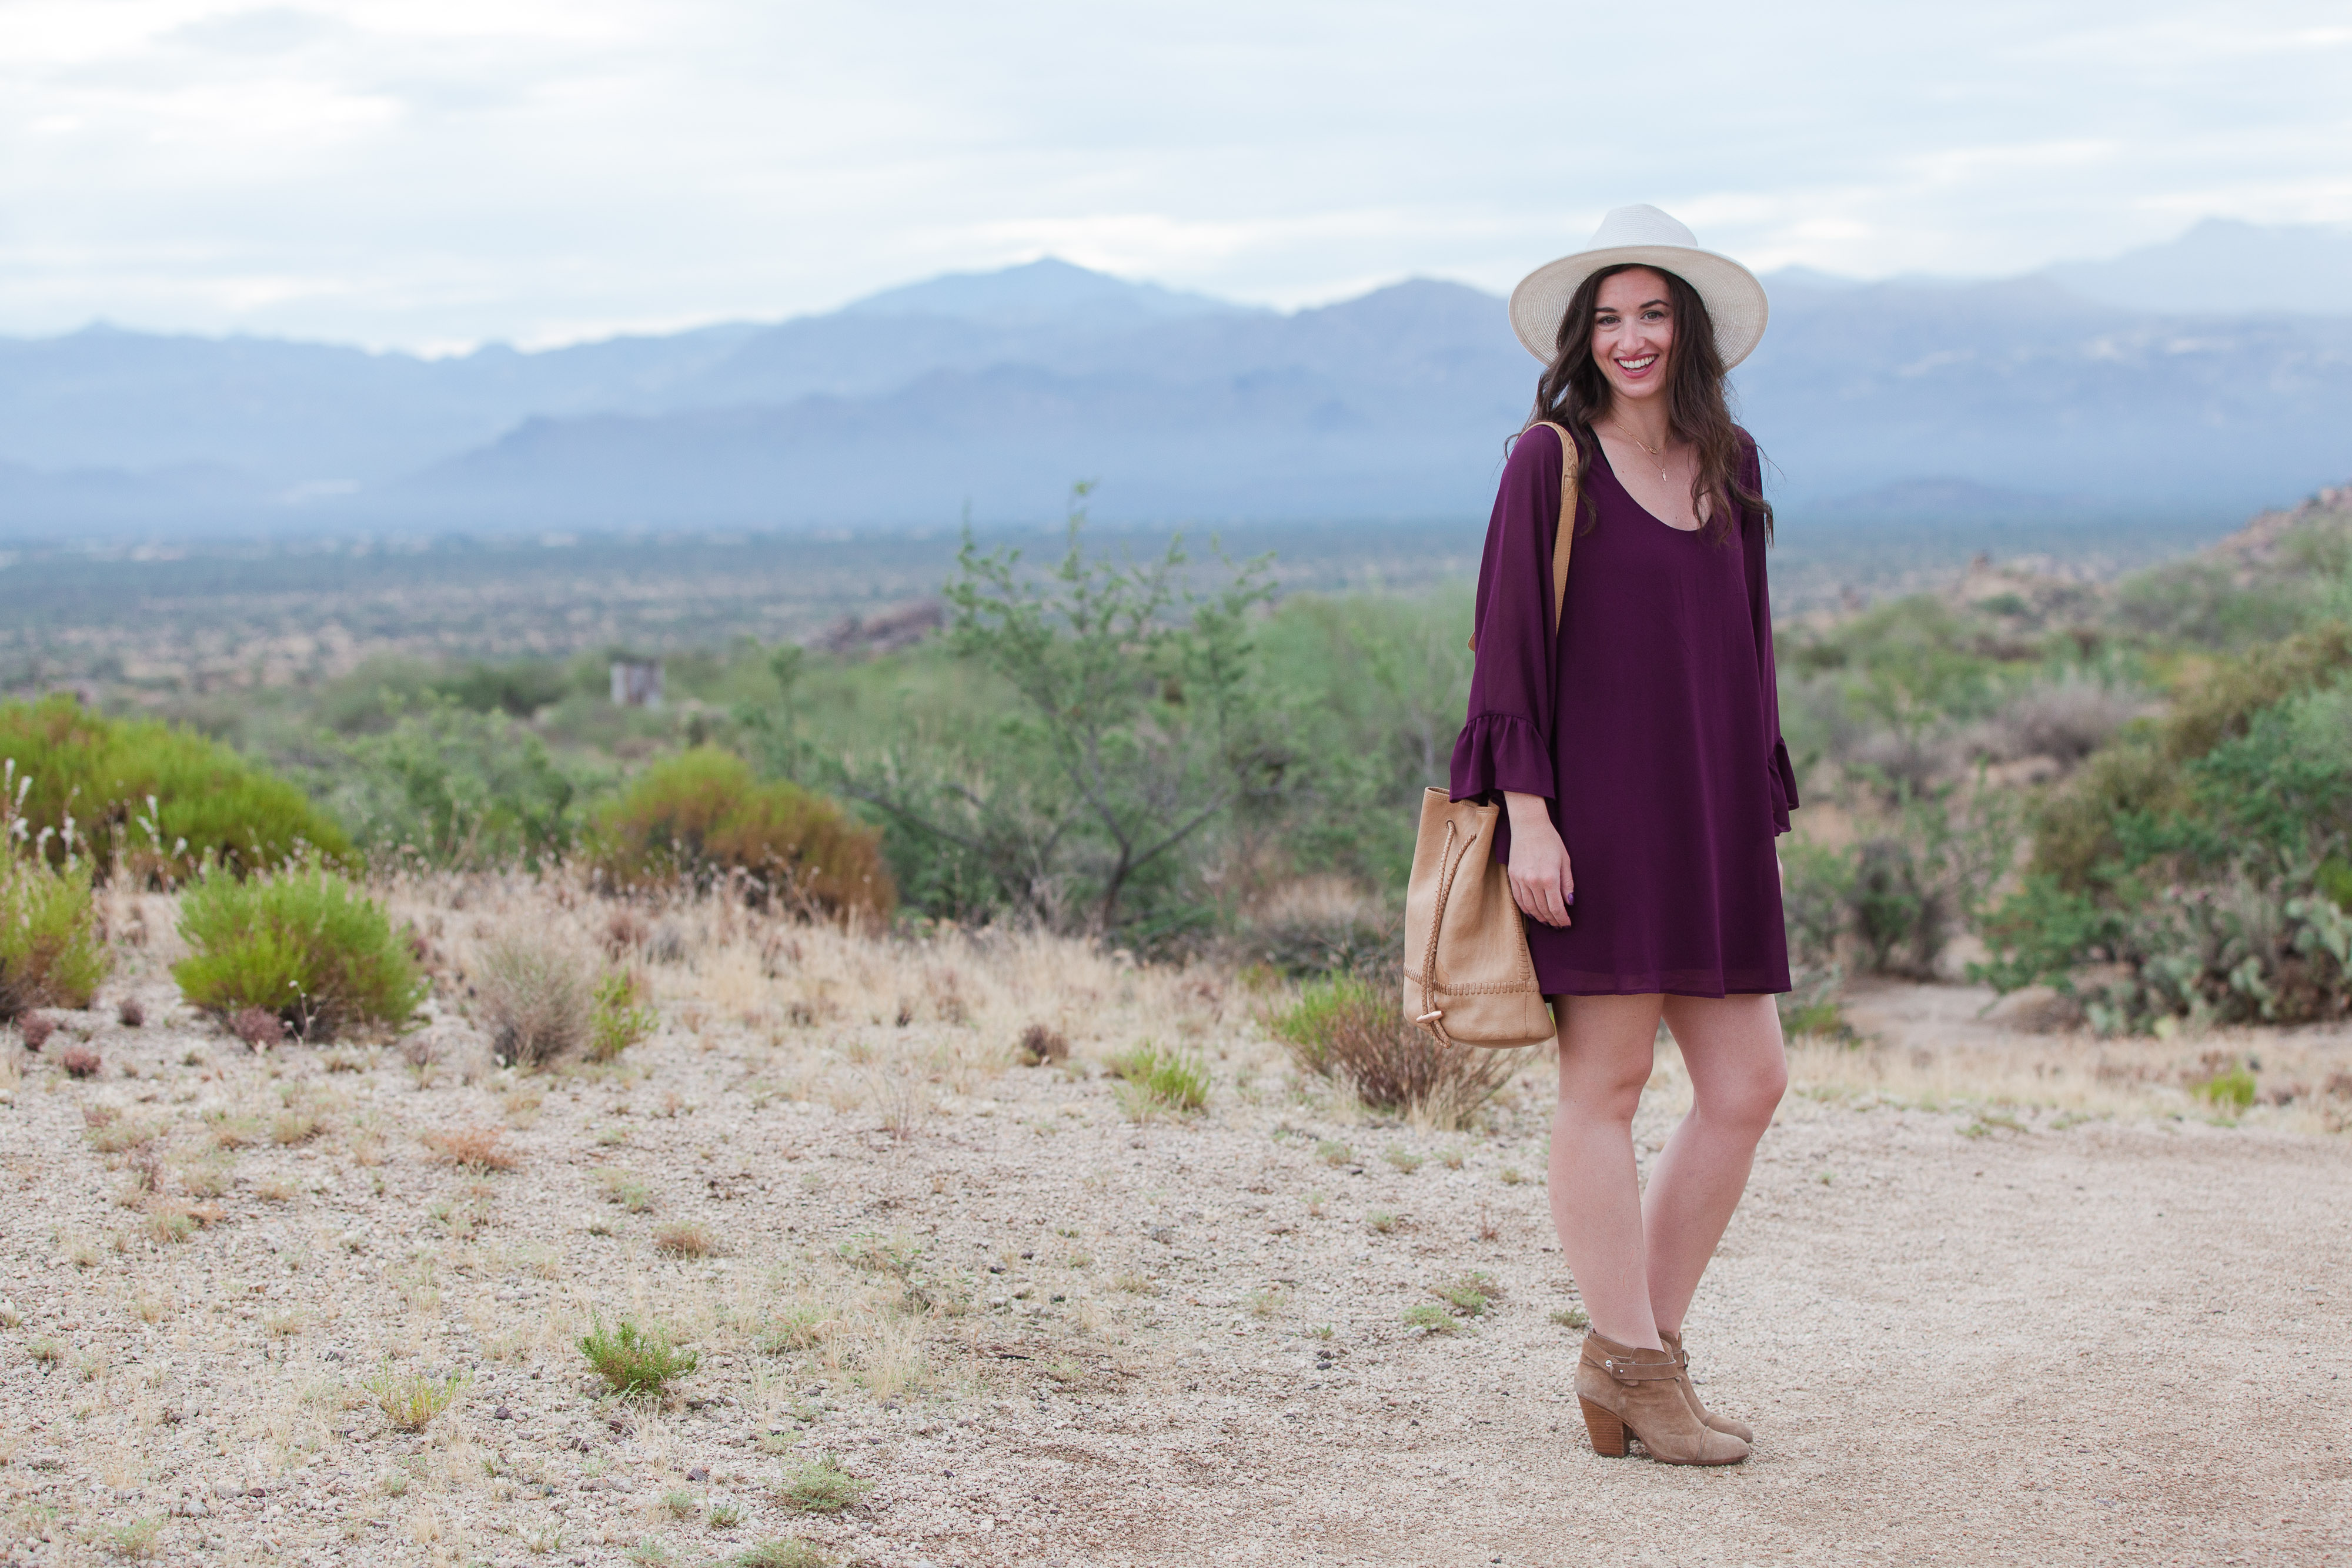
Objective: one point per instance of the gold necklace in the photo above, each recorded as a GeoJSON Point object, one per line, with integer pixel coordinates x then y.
{"type": "Point", "coordinates": [1657, 453]}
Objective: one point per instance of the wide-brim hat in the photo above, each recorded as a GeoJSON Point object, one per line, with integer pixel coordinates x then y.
{"type": "Point", "coordinates": [1642, 236]}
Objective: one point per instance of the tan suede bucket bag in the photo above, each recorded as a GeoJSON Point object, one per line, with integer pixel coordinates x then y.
{"type": "Point", "coordinates": [1468, 978]}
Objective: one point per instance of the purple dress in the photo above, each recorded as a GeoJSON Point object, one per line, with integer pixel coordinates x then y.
{"type": "Point", "coordinates": [1661, 754]}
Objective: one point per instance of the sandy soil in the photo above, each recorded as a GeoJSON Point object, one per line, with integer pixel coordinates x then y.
{"type": "Point", "coordinates": [2089, 1322]}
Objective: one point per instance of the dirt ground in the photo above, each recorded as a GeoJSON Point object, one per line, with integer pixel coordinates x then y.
{"type": "Point", "coordinates": [1994, 1296]}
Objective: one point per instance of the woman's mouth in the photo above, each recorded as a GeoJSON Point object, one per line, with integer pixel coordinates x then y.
{"type": "Point", "coordinates": [1635, 367]}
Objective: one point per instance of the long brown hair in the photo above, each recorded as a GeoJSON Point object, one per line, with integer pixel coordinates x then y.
{"type": "Point", "coordinates": [1574, 392]}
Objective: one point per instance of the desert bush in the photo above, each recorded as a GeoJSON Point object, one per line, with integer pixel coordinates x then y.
{"type": "Point", "coordinates": [1817, 888]}
{"type": "Point", "coordinates": [258, 1026]}
{"type": "Point", "coordinates": [1928, 874]}
{"type": "Point", "coordinates": [535, 997]}
{"type": "Point", "coordinates": [51, 954]}
{"type": "Point", "coordinates": [301, 944]}
{"type": "Point", "coordinates": [621, 1016]}
{"type": "Point", "coordinates": [1154, 1079]}
{"type": "Point", "coordinates": [2202, 860]}
{"type": "Point", "coordinates": [2200, 603]}
{"type": "Point", "coordinates": [2232, 954]}
{"type": "Point", "coordinates": [79, 1060]}
{"type": "Point", "coordinates": [459, 788]}
{"type": "Point", "coordinates": [410, 1400]}
{"type": "Point", "coordinates": [476, 1149]}
{"type": "Point", "coordinates": [155, 801]}
{"type": "Point", "coordinates": [685, 1238]}
{"type": "Point", "coordinates": [701, 814]}
{"type": "Point", "coordinates": [1134, 728]}
{"type": "Point", "coordinates": [1042, 1044]}
{"type": "Point", "coordinates": [634, 1361]}
{"type": "Point", "coordinates": [2067, 718]}
{"type": "Point", "coordinates": [820, 1486]}
{"type": "Point", "coordinates": [1353, 1028]}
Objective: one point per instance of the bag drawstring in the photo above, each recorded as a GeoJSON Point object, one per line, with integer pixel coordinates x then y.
{"type": "Point", "coordinates": [1448, 863]}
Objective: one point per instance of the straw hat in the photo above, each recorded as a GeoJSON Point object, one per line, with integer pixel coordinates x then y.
{"type": "Point", "coordinates": [1642, 236]}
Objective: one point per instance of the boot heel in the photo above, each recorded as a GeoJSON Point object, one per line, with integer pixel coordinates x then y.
{"type": "Point", "coordinates": [1608, 1433]}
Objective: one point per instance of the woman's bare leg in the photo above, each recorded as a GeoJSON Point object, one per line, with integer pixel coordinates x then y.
{"type": "Point", "coordinates": [1731, 1046]}
{"type": "Point", "coordinates": [1606, 1047]}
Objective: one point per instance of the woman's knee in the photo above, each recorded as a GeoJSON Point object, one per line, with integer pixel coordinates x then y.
{"type": "Point", "coordinates": [1602, 1088]}
{"type": "Point", "coordinates": [1747, 1098]}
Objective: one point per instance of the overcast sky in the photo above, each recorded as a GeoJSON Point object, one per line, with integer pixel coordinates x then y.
{"type": "Point", "coordinates": [431, 173]}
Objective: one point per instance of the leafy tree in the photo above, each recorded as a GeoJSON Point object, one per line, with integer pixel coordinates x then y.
{"type": "Point", "coordinates": [1138, 724]}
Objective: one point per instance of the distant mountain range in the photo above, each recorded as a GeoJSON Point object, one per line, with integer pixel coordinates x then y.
{"type": "Point", "coordinates": [2085, 389]}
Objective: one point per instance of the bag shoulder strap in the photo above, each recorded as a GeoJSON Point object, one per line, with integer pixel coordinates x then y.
{"type": "Point", "coordinates": [1564, 538]}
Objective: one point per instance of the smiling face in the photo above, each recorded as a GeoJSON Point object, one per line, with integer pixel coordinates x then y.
{"type": "Point", "coordinates": [1634, 332]}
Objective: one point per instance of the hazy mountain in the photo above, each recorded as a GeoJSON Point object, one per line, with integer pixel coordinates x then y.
{"type": "Point", "coordinates": [1045, 292]}
{"type": "Point", "coordinates": [1916, 398]}
{"type": "Point", "coordinates": [2222, 266]}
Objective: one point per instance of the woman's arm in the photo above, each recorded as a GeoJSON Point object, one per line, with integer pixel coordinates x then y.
{"type": "Point", "coordinates": [1781, 777]}
{"type": "Point", "coordinates": [1542, 882]}
{"type": "Point", "coordinates": [1505, 746]}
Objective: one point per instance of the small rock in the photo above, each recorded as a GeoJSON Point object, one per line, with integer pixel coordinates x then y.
{"type": "Point", "coordinates": [501, 1414]}
{"type": "Point", "coordinates": [698, 1473]}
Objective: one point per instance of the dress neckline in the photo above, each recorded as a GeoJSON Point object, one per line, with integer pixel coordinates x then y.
{"type": "Point", "coordinates": [1602, 453]}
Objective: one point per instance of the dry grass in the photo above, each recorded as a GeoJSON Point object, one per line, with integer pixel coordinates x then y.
{"type": "Point", "coordinates": [685, 1238]}
{"type": "Point", "coordinates": [1934, 1049]}
{"type": "Point", "coordinates": [481, 1147]}
{"type": "Point", "coordinates": [536, 991]}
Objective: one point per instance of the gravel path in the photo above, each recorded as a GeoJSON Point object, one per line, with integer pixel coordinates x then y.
{"type": "Point", "coordinates": [1047, 1333]}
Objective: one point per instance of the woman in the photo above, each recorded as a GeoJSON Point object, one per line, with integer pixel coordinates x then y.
{"type": "Point", "coordinates": [1637, 749]}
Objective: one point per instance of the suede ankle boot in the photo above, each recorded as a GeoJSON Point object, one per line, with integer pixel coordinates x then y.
{"type": "Point", "coordinates": [1724, 1424]}
{"type": "Point", "coordinates": [1629, 1393]}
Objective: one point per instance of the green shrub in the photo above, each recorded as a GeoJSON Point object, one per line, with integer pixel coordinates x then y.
{"type": "Point", "coordinates": [458, 788]}
{"type": "Point", "coordinates": [2332, 879]}
{"type": "Point", "coordinates": [51, 955]}
{"type": "Point", "coordinates": [1928, 874]}
{"type": "Point", "coordinates": [2224, 702]}
{"type": "Point", "coordinates": [2206, 859]}
{"type": "Point", "coordinates": [820, 1486]}
{"type": "Point", "coordinates": [2076, 837]}
{"type": "Point", "coordinates": [636, 1361]}
{"type": "Point", "coordinates": [410, 1400]}
{"type": "Point", "coordinates": [2233, 1090]}
{"type": "Point", "coordinates": [304, 944]}
{"type": "Point", "coordinates": [698, 815]}
{"type": "Point", "coordinates": [621, 1016]}
{"type": "Point", "coordinates": [1156, 1080]}
{"type": "Point", "coordinates": [157, 802]}
{"type": "Point", "coordinates": [1354, 1029]}
{"type": "Point", "coordinates": [1817, 884]}
{"type": "Point", "coordinates": [1432, 1319]}
{"type": "Point", "coordinates": [2235, 952]}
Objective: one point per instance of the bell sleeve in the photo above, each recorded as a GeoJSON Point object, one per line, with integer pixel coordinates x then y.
{"type": "Point", "coordinates": [1506, 741]}
{"type": "Point", "coordinates": [1781, 777]}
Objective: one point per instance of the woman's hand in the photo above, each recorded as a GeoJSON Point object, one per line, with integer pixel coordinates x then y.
{"type": "Point", "coordinates": [1542, 885]}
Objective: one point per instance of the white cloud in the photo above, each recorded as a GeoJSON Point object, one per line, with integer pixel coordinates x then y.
{"type": "Point", "coordinates": [428, 172]}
